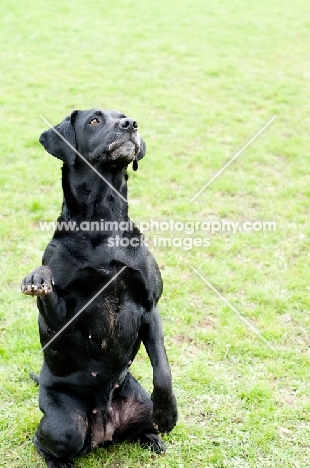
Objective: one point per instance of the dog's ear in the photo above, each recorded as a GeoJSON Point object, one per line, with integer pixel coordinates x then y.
{"type": "Point", "coordinates": [60, 140]}
{"type": "Point", "coordinates": [139, 156]}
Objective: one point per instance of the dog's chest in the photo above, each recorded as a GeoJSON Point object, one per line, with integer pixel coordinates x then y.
{"type": "Point", "coordinates": [106, 320]}
{"type": "Point", "coordinates": [111, 325]}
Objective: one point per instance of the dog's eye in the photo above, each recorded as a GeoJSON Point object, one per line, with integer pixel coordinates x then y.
{"type": "Point", "coordinates": [94, 121]}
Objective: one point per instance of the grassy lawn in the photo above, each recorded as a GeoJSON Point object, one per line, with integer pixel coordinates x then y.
{"type": "Point", "coordinates": [201, 78]}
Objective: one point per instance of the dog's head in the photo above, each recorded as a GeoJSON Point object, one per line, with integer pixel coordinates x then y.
{"type": "Point", "coordinates": [103, 136]}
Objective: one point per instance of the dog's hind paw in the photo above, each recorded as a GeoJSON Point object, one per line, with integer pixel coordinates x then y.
{"type": "Point", "coordinates": [38, 283]}
{"type": "Point", "coordinates": [60, 464]}
{"type": "Point", "coordinates": [53, 462]}
{"type": "Point", "coordinates": [153, 442]}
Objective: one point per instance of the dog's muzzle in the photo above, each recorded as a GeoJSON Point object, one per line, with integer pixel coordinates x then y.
{"type": "Point", "coordinates": [125, 147]}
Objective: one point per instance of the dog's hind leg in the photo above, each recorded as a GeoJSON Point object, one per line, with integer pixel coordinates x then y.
{"type": "Point", "coordinates": [131, 415]}
{"type": "Point", "coordinates": [62, 432]}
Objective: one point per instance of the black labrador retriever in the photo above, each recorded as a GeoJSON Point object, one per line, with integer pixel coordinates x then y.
{"type": "Point", "coordinates": [87, 394]}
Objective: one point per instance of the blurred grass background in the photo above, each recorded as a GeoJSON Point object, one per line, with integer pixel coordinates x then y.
{"type": "Point", "coordinates": [201, 78]}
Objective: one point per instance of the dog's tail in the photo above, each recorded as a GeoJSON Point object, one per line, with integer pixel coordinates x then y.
{"type": "Point", "coordinates": [35, 377]}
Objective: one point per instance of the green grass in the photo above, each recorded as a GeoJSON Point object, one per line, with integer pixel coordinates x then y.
{"type": "Point", "coordinates": [201, 78]}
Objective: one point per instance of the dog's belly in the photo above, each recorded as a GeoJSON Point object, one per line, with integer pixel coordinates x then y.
{"type": "Point", "coordinates": [92, 356]}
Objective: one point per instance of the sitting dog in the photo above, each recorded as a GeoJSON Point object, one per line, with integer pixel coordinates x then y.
{"type": "Point", "coordinates": [97, 301]}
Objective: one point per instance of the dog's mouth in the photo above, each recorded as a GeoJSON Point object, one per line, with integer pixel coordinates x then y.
{"type": "Point", "coordinates": [124, 148]}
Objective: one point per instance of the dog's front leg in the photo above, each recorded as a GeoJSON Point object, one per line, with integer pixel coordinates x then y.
{"type": "Point", "coordinates": [164, 414]}
{"type": "Point", "coordinates": [40, 283]}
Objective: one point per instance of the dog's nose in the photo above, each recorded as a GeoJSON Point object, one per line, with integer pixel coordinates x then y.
{"type": "Point", "coordinates": [128, 124]}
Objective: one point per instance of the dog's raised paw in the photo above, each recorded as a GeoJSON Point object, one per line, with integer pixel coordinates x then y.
{"type": "Point", "coordinates": [38, 283]}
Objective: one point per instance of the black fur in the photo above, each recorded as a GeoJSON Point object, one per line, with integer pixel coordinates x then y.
{"type": "Point", "coordinates": [87, 394]}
